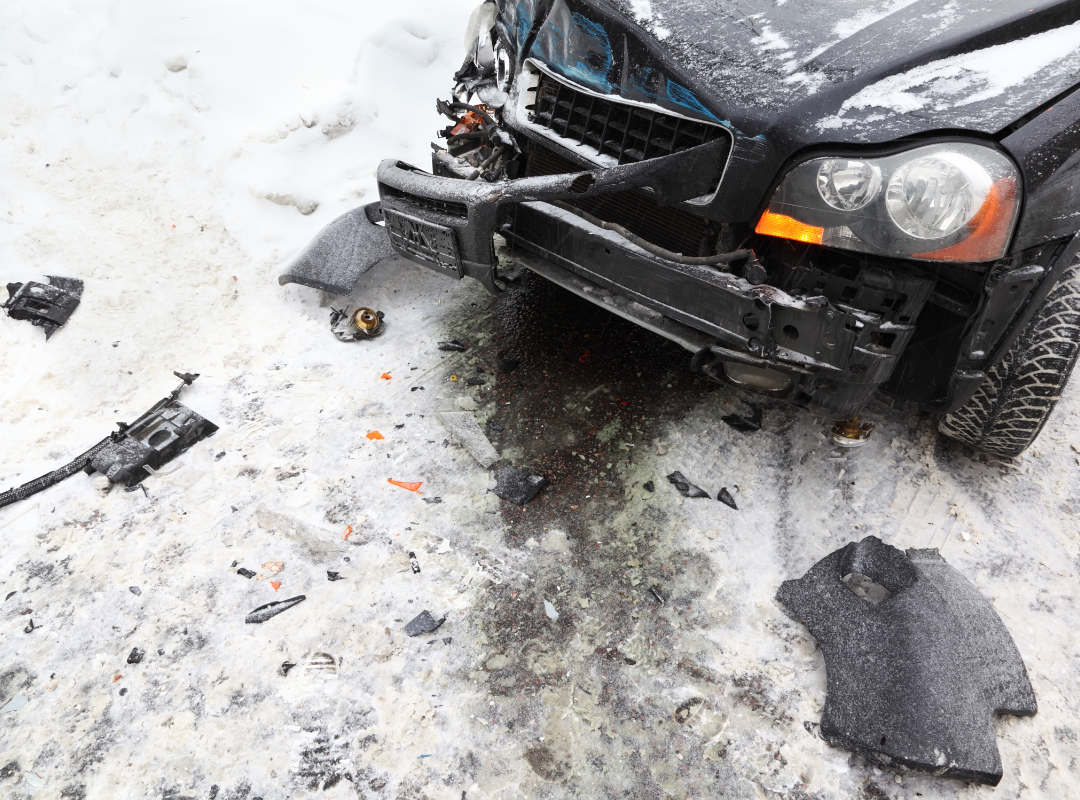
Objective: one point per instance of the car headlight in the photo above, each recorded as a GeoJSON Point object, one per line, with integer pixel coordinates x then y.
{"type": "Point", "coordinates": [478, 41]}
{"type": "Point", "coordinates": [504, 67]}
{"type": "Point", "coordinates": [941, 202]}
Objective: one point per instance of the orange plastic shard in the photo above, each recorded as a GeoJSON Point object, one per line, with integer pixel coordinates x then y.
{"type": "Point", "coordinates": [989, 228]}
{"type": "Point", "coordinates": [786, 227]}
{"type": "Point", "coordinates": [469, 122]}
{"type": "Point", "coordinates": [117, 677]}
{"type": "Point", "coordinates": [348, 533]}
{"type": "Point", "coordinates": [375, 435]}
{"type": "Point", "coordinates": [276, 585]}
{"type": "Point", "coordinates": [385, 376]}
{"type": "Point", "coordinates": [412, 487]}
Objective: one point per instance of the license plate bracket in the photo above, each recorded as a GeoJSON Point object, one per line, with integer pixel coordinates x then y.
{"type": "Point", "coordinates": [433, 245]}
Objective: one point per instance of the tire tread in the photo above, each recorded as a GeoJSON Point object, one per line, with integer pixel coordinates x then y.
{"type": "Point", "coordinates": [1010, 408]}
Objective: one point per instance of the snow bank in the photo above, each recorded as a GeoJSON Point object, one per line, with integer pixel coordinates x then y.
{"type": "Point", "coordinates": [280, 115]}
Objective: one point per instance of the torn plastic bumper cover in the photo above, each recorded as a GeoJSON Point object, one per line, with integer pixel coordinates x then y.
{"type": "Point", "coordinates": [342, 252]}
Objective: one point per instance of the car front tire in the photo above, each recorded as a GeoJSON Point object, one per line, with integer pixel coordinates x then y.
{"type": "Point", "coordinates": [1012, 405]}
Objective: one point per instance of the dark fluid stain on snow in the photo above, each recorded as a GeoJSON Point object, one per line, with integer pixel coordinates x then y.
{"type": "Point", "coordinates": [584, 387]}
{"type": "Point", "coordinates": [13, 680]}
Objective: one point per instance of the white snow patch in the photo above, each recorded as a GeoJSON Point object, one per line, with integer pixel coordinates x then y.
{"type": "Point", "coordinates": [770, 40]}
{"type": "Point", "coordinates": [642, 9]}
{"type": "Point", "coordinates": [864, 19]}
{"type": "Point", "coordinates": [973, 77]}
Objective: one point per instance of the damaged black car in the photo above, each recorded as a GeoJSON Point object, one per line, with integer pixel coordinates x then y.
{"type": "Point", "coordinates": [819, 201]}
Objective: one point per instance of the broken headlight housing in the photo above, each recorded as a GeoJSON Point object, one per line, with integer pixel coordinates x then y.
{"type": "Point", "coordinates": [479, 43]}
{"type": "Point", "coordinates": [942, 202]}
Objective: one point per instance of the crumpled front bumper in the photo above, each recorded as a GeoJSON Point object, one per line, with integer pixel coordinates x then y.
{"type": "Point", "coordinates": [447, 224]}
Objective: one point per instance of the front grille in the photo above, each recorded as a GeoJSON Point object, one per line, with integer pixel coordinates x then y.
{"type": "Point", "coordinates": [669, 227]}
{"type": "Point", "coordinates": [445, 207]}
{"type": "Point", "coordinates": [624, 132]}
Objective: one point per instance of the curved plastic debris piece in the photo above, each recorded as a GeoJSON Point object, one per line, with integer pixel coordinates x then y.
{"type": "Point", "coordinates": [916, 678]}
{"type": "Point", "coordinates": [341, 252]}
{"type": "Point", "coordinates": [412, 487]}
{"type": "Point", "coordinates": [375, 435]}
{"type": "Point", "coordinates": [686, 489]}
{"type": "Point", "coordinates": [726, 498]}
{"type": "Point", "coordinates": [263, 613]}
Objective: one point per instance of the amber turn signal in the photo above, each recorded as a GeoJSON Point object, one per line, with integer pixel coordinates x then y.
{"type": "Point", "coordinates": [786, 227]}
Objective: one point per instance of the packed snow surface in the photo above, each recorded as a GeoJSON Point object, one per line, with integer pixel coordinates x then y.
{"type": "Point", "coordinates": [618, 642]}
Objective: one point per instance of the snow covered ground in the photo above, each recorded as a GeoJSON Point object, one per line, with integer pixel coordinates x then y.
{"type": "Point", "coordinates": [175, 156]}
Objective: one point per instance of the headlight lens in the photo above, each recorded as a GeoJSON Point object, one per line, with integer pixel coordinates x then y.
{"type": "Point", "coordinates": [846, 184]}
{"type": "Point", "coordinates": [934, 196]}
{"type": "Point", "coordinates": [504, 67]}
{"type": "Point", "coordinates": [949, 202]}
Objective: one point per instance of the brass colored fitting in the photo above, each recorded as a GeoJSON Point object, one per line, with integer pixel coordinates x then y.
{"type": "Point", "coordinates": [851, 432]}
{"type": "Point", "coordinates": [366, 320]}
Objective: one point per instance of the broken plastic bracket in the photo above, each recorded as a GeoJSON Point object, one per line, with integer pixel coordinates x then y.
{"type": "Point", "coordinates": [158, 436]}
{"type": "Point", "coordinates": [45, 306]}
{"type": "Point", "coordinates": [154, 439]}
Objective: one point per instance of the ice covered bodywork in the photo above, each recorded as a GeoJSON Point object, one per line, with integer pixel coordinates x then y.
{"type": "Point", "coordinates": [46, 306]}
{"type": "Point", "coordinates": [915, 679]}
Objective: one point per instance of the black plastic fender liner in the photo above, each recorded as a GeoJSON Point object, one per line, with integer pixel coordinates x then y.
{"type": "Point", "coordinates": [342, 252]}
{"type": "Point", "coordinates": [913, 680]}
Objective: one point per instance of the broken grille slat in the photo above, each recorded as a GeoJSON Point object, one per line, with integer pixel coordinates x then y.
{"type": "Point", "coordinates": [447, 207]}
{"type": "Point", "coordinates": [588, 121]}
{"type": "Point", "coordinates": [617, 129]}
{"type": "Point", "coordinates": [669, 227]}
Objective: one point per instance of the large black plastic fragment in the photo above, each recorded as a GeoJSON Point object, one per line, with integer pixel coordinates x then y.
{"type": "Point", "coordinates": [913, 680]}
{"type": "Point", "coordinates": [46, 306]}
{"type": "Point", "coordinates": [159, 435]}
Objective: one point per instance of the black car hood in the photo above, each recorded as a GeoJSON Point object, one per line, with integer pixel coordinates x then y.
{"type": "Point", "coordinates": [823, 70]}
